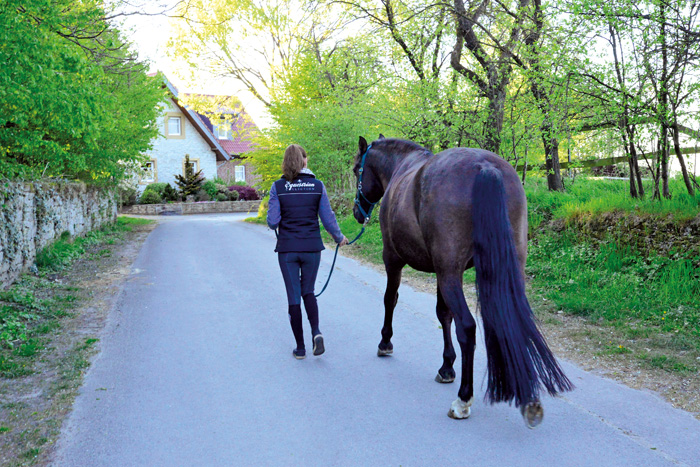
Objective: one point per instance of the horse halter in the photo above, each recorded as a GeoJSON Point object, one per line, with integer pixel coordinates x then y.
{"type": "Point", "coordinates": [365, 214]}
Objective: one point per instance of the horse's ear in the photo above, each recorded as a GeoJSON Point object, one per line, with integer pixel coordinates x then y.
{"type": "Point", "coordinates": [381, 136]}
{"type": "Point", "coordinates": [363, 145]}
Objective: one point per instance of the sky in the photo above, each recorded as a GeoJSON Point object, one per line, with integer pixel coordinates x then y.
{"type": "Point", "coordinates": [149, 35]}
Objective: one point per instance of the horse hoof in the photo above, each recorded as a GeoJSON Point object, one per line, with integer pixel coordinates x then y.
{"type": "Point", "coordinates": [460, 409]}
{"type": "Point", "coordinates": [385, 349]}
{"type": "Point", "coordinates": [444, 380]}
{"type": "Point", "coordinates": [532, 413]}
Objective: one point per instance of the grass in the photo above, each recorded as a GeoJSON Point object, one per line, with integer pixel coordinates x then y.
{"type": "Point", "coordinates": [33, 307]}
{"type": "Point", "coordinates": [637, 273]}
{"type": "Point", "coordinates": [126, 221]}
{"type": "Point", "coordinates": [588, 196]}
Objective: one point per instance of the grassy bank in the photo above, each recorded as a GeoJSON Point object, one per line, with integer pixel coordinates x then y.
{"type": "Point", "coordinates": [34, 305]}
{"type": "Point", "coordinates": [43, 349]}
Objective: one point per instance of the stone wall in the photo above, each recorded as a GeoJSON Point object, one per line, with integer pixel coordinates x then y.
{"type": "Point", "coordinates": [205, 207]}
{"type": "Point", "coordinates": [34, 215]}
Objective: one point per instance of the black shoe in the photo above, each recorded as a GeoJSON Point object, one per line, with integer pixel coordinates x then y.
{"type": "Point", "coordinates": [299, 354]}
{"type": "Point", "coordinates": [318, 345]}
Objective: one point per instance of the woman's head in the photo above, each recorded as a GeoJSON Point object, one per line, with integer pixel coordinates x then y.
{"type": "Point", "coordinates": [294, 161]}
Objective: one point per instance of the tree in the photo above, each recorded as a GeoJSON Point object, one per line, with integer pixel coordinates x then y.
{"type": "Point", "coordinates": [191, 182]}
{"type": "Point", "coordinates": [74, 102]}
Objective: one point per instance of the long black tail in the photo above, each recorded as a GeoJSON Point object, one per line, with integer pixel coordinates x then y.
{"type": "Point", "coordinates": [519, 360]}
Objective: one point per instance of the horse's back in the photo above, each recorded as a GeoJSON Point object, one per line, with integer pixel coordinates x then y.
{"type": "Point", "coordinates": [446, 200]}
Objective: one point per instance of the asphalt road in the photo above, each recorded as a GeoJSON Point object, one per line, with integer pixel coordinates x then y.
{"type": "Point", "coordinates": [196, 369]}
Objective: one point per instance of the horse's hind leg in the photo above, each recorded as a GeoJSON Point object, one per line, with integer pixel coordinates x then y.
{"type": "Point", "coordinates": [446, 374]}
{"type": "Point", "coordinates": [393, 268]}
{"type": "Point", "coordinates": [465, 325]}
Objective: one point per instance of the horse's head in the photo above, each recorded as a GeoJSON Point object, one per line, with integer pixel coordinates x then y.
{"type": "Point", "coordinates": [369, 186]}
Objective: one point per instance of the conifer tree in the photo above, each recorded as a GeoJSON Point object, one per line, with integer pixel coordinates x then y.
{"type": "Point", "coordinates": [191, 182]}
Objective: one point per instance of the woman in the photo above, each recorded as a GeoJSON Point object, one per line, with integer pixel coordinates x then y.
{"type": "Point", "coordinates": [296, 202]}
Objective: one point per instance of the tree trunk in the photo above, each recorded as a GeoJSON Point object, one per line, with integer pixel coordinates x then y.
{"type": "Point", "coordinates": [679, 155]}
{"type": "Point", "coordinates": [664, 162]}
{"type": "Point", "coordinates": [628, 150]}
{"type": "Point", "coordinates": [635, 159]}
{"type": "Point", "coordinates": [494, 121]}
{"type": "Point", "coordinates": [551, 158]}
{"type": "Point", "coordinates": [664, 103]}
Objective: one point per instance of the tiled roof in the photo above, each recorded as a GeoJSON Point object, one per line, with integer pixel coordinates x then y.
{"type": "Point", "coordinates": [242, 129]}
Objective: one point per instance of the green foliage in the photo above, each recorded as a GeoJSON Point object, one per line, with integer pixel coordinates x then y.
{"type": "Point", "coordinates": [127, 194]}
{"type": "Point", "coordinates": [587, 196]}
{"type": "Point", "coordinates": [157, 187]}
{"type": "Point", "coordinates": [202, 195]}
{"type": "Point", "coordinates": [150, 197]}
{"type": "Point", "coordinates": [169, 193]}
{"type": "Point", "coordinates": [210, 187]}
{"type": "Point", "coordinates": [191, 182]}
{"type": "Point", "coordinates": [74, 103]}
{"type": "Point", "coordinates": [25, 312]}
{"type": "Point", "coordinates": [617, 284]}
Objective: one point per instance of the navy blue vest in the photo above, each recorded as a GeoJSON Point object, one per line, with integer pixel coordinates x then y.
{"type": "Point", "coordinates": [299, 201]}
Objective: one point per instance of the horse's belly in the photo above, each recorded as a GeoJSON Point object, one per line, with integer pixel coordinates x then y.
{"type": "Point", "coordinates": [414, 254]}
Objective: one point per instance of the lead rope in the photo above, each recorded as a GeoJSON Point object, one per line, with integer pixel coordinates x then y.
{"type": "Point", "coordinates": [335, 256]}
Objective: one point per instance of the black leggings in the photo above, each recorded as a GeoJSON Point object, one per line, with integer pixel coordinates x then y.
{"type": "Point", "coordinates": [299, 271]}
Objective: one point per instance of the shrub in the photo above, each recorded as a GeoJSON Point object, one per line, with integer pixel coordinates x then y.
{"type": "Point", "coordinates": [342, 203]}
{"type": "Point", "coordinates": [221, 197]}
{"type": "Point", "coordinates": [170, 193]}
{"type": "Point", "coordinates": [127, 195]}
{"type": "Point", "coordinates": [210, 187]}
{"type": "Point", "coordinates": [232, 195]}
{"type": "Point", "coordinates": [245, 193]}
{"type": "Point", "coordinates": [202, 195]}
{"type": "Point", "coordinates": [157, 187]}
{"type": "Point", "coordinates": [150, 197]}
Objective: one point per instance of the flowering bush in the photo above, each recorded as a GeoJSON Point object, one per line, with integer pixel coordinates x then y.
{"type": "Point", "coordinates": [245, 193]}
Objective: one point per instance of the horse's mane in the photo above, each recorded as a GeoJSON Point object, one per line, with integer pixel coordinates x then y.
{"type": "Point", "coordinates": [399, 146]}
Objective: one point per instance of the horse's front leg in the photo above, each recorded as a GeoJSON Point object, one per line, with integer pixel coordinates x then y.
{"type": "Point", "coordinates": [446, 373]}
{"type": "Point", "coordinates": [393, 266]}
{"type": "Point", "coordinates": [465, 325]}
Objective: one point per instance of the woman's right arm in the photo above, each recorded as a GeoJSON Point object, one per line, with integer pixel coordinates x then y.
{"type": "Point", "coordinates": [274, 214]}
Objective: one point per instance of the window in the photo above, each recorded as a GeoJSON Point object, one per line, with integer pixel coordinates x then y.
{"type": "Point", "coordinates": [240, 173]}
{"type": "Point", "coordinates": [148, 172]}
{"type": "Point", "coordinates": [174, 126]}
{"type": "Point", "coordinates": [223, 130]}
{"type": "Point", "coordinates": [194, 163]}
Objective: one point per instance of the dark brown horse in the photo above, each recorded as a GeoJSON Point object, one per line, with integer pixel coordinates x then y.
{"type": "Point", "coordinates": [445, 213]}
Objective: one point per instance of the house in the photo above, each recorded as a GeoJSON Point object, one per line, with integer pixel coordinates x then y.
{"type": "Point", "coordinates": [184, 132]}
{"type": "Point", "coordinates": [233, 128]}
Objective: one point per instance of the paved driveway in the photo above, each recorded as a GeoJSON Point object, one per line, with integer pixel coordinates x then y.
{"type": "Point", "coordinates": [196, 369]}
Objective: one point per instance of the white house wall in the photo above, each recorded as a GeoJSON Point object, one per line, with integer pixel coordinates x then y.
{"type": "Point", "coordinates": [169, 153]}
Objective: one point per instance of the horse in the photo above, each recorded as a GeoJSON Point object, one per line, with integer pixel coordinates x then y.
{"type": "Point", "coordinates": [445, 213]}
